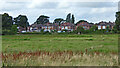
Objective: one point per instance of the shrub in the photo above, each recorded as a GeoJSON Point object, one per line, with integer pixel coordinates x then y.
{"type": "Point", "coordinates": [14, 29]}
{"type": "Point", "coordinates": [6, 32]}
{"type": "Point", "coordinates": [10, 32]}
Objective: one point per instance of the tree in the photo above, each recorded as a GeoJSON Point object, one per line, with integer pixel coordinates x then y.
{"type": "Point", "coordinates": [14, 29]}
{"type": "Point", "coordinates": [81, 21]}
{"type": "Point", "coordinates": [42, 19]}
{"type": "Point", "coordinates": [107, 29]}
{"type": "Point", "coordinates": [73, 19]}
{"type": "Point", "coordinates": [58, 20]}
{"type": "Point", "coordinates": [80, 29]}
{"type": "Point", "coordinates": [68, 18]}
{"type": "Point", "coordinates": [22, 21]}
{"type": "Point", "coordinates": [117, 21]}
{"type": "Point", "coordinates": [7, 21]}
{"type": "Point", "coordinates": [93, 28]}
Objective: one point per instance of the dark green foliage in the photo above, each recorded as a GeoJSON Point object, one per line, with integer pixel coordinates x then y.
{"type": "Point", "coordinates": [22, 21]}
{"type": "Point", "coordinates": [58, 20]}
{"type": "Point", "coordinates": [14, 29]}
{"type": "Point", "coordinates": [68, 18]}
{"type": "Point", "coordinates": [26, 39]}
{"type": "Point", "coordinates": [42, 19]}
{"type": "Point", "coordinates": [7, 21]}
{"type": "Point", "coordinates": [114, 30]}
{"type": "Point", "coordinates": [80, 29]}
{"type": "Point", "coordinates": [6, 32]}
{"type": "Point", "coordinates": [93, 28]}
{"type": "Point", "coordinates": [42, 33]}
{"type": "Point", "coordinates": [81, 21]}
{"type": "Point", "coordinates": [73, 19]}
{"type": "Point", "coordinates": [10, 32]}
{"type": "Point", "coordinates": [117, 22]}
{"type": "Point", "coordinates": [89, 39]}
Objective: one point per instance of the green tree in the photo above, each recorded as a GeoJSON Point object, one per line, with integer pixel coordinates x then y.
{"type": "Point", "coordinates": [114, 30]}
{"type": "Point", "coordinates": [7, 21]}
{"type": "Point", "coordinates": [93, 28]}
{"type": "Point", "coordinates": [80, 30]}
{"type": "Point", "coordinates": [14, 29]}
{"type": "Point", "coordinates": [58, 20]}
{"type": "Point", "coordinates": [68, 18]}
{"type": "Point", "coordinates": [81, 21]}
{"type": "Point", "coordinates": [117, 21]}
{"type": "Point", "coordinates": [107, 29]}
{"type": "Point", "coordinates": [22, 21]}
{"type": "Point", "coordinates": [42, 19]}
{"type": "Point", "coordinates": [73, 19]}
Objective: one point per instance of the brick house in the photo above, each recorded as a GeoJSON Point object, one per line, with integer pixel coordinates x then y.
{"type": "Point", "coordinates": [52, 26]}
{"type": "Point", "coordinates": [104, 25]}
{"type": "Point", "coordinates": [38, 27]}
{"type": "Point", "coordinates": [85, 25]}
{"type": "Point", "coordinates": [21, 29]}
{"type": "Point", "coordinates": [48, 27]}
{"type": "Point", "coordinates": [67, 26]}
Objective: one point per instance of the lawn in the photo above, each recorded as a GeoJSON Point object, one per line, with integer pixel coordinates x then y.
{"type": "Point", "coordinates": [68, 45]}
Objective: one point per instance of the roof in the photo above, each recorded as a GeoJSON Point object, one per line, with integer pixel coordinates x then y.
{"type": "Point", "coordinates": [67, 24]}
{"type": "Point", "coordinates": [106, 23]}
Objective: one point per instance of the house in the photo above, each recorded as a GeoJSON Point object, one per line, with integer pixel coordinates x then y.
{"type": "Point", "coordinates": [66, 26]}
{"type": "Point", "coordinates": [21, 29]}
{"type": "Point", "coordinates": [35, 27]}
{"type": "Point", "coordinates": [52, 27]}
{"type": "Point", "coordinates": [104, 25]}
{"type": "Point", "coordinates": [38, 27]}
{"type": "Point", "coordinates": [85, 25]}
{"type": "Point", "coordinates": [48, 27]}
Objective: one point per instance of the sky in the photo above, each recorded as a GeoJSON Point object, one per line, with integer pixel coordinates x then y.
{"type": "Point", "coordinates": [91, 10]}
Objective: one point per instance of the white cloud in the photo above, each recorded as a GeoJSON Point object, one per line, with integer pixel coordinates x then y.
{"type": "Point", "coordinates": [64, 0]}
{"type": "Point", "coordinates": [103, 10]}
{"type": "Point", "coordinates": [93, 11]}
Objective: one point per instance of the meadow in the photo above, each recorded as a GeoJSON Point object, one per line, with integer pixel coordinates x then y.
{"type": "Point", "coordinates": [60, 50]}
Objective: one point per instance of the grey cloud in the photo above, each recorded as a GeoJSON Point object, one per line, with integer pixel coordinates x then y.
{"type": "Point", "coordinates": [81, 10]}
{"type": "Point", "coordinates": [47, 5]}
{"type": "Point", "coordinates": [95, 4]}
{"type": "Point", "coordinates": [52, 5]}
{"type": "Point", "coordinates": [12, 7]}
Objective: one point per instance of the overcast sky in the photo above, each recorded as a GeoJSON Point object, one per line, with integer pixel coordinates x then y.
{"type": "Point", "coordinates": [92, 11]}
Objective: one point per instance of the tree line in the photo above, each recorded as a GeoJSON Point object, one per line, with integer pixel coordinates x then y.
{"type": "Point", "coordinates": [10, 24]}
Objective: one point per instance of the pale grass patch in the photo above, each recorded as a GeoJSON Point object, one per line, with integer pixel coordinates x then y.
{"type": "Point", "coordinates": [66, 60]}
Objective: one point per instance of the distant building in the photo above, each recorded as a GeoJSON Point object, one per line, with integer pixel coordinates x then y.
{"type": "Point", "coordinates": [52, 26]}
{"type": "Point", "coordinates": [104, 25]}
{"type": "Point", "coordinates": [67, 26]}
{"type": "Point", "coordinates": [85, 25]}
{"type": "Point", "coordinates": [48, 27]}
{"type": "Point", "coordinates": [38, 27]}
{"type": "Point", "coordinates": [21, 29]}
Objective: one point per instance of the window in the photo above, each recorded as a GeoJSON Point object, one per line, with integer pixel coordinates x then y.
{"type": "Point", "coordinates": [103, 27]}
{"type": "Point", "coordinates": [66, 27]}
{"type": "Point", "coordinates": [99, 27]}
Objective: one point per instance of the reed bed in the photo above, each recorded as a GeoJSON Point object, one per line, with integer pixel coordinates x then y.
{"type": "Point", "coordinates": [60, 58]}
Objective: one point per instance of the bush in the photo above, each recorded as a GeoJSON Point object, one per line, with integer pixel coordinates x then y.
{"type": "Point", "coordinates": [14, 29]}
{"type": "Point", "coordinates": [31, 33]}
{"type": "Point", "coordinates": [10, 32]}
{"type": "Point", "coordinates": [47, 32]}
{"type": "Point", "coordinates": [37, 32]}
{"type": "Point", "coordinates": [6, 32]}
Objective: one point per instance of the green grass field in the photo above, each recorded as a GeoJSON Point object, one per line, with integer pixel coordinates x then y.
{"type": "Point", "coordinates": [106, 44]}
{"type": "Point", "coordinates": [102, 43]}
